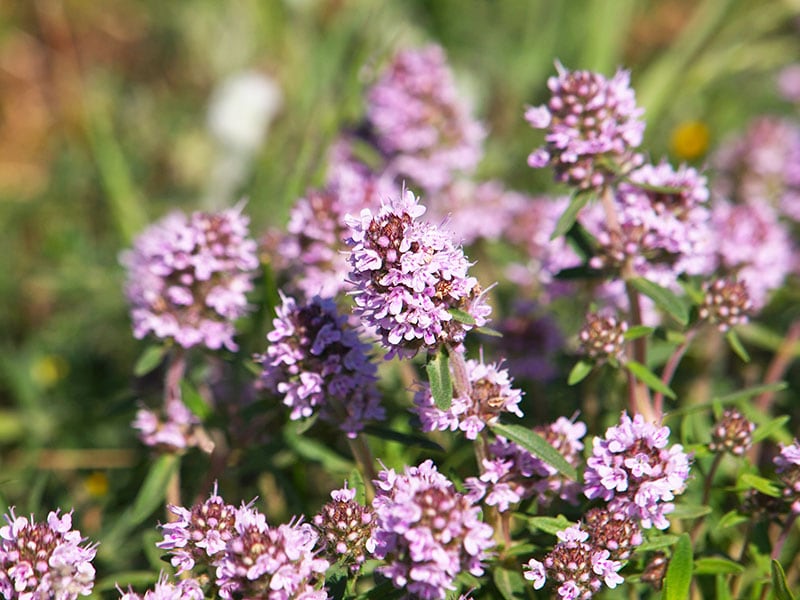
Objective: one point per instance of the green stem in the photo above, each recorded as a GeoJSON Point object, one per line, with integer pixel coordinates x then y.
{"type": "Point", "coordinates": [365, 462]}
{"type": "Point", "coordinates": [709, 480]}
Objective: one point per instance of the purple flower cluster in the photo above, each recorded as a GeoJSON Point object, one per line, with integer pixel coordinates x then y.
{"type": "Point", "coordinates": [726, 303]}
{"type": "Point", "coordinates": [279, 563]}
{"type": "Point", "coordinates": [420, 122]}
{"type": "Point", "coordinates": [576, 565]}
{"type": "Point", "coordinates": [664, 225]}
{"type": "Point", "coordinates": [633, 470]}
{"type": "Point", "coordinates": [754, 245]}
{"type": "Point", "coordinates": [603, 338]}
{"type": "Point", "coordinates": [732, 433]}
{"type": "Point", "coordinates": [245, 557]}
{"type": "Point", "coordinates": [490, 394]}
{"type": "Point", "coordinates": [312, 251]}
{"type": "Point", "coordinates": [188, 276]}
{"type": "Point", "coordinates": [762, 164]}
{"type": "Point", "coordinates": [317, 363]}
{"type": "Point", "coordinates": [199, 534]}
{"type": "Point", "coordinates": [592, 128]}
{"type": "Point", "coordinates": [185, 589]}
{"type": "Point", "coordinates": [346, 528]}
{"type": "Point", "coordinates": [512, 474]}
{"type": "Point", "coordinates": [173, 433]}
{"type": "Point", "coordinates": [426, 532]}
{"type": "Point", "coordinates": [787, 465]}
{"type": "Point", "coordinates": [44, 560]}
{"type": "Point", "coordinates": [408, 276]}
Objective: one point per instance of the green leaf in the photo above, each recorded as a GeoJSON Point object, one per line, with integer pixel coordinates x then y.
{"type": "Point", "coordinates": [696, 295]}
{"type": "Point", "coordinates": [658, 543]}
{"type": "Point", "coordinates": [716, 565]}
{"type": "Point", "coordinates": [732, 519]}
{"type": "Point", "coordinates": [736, 345]}
{"type": "Point", "coordinates": [407, 439]}
{"type": "Point", "coordinates": [649, 378]}
{"type": "Point", "coordinates": [536, 445]}
{"type": "Point", "coordinates": [149, 359]}
{"type": "Point", "coordinates": [665, 299]}
{"type": "Point", "coordinates": [767, 429]}
{"type": "Point", "coordinates": [438, 369]}
{"type": "Point", "coordinates": [722, 587]}
{"type": "Point", "coordinates": [488, 331]}
{"type": "Point", "coordinates": [551, 525]}
{"type": "Point", "coordinates": [462, 316]}
{"type": "Point", "coordinates": [579, 372]}
{"type": "Point", "coordinates": [638, 331]}
{"type": "Point", "coordinates": [509, 582]}
{"type": "Point", "coordinates": [151, 494]}
{"type": "Point", "coordinates": [765, 486]}
{"type": "Point", "coordinates": [779, 585]}
{"type": "Point", "coordinates": [194, 401]}
{"type": "Point", "coordinates": [679, 570]}
{"type": "Point", "coordinates": [570, 214]}
{"type": "Point", "coordinates": [689, 511]}
{"type": "Point", "coordinates": [317, 452]}
{"type": "Point", "coordinates": [731, 398]}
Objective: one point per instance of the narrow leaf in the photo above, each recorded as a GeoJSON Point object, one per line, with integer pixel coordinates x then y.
{"type": "Point", "coordinates": [536, 445]}
{"type": "Point", "coordinates": [151, 494]}
{"type": "Point", "coordinates": [194, 401]}
{"type": "Point", "coordinates": [150, 358]}
{"type": "Point", "coordinates": [551, 525]}
{"type": "Point", "coordinates": [658, 543]}
{"type": "Point", "coordinates": [649, 378]}
{"type": "Point", "coordinates": [579, 372]}
{"type": "Point", "coordinates": [488, 331]}
{"type": "Point", "coordinates": [689, 511]}
{"type": "Point", "coordinates": [761, 484]}
{"type": "Point", "coordinates": [772, 426]}
{"type": "Point", "coordinates": [462, 316]}
{"type": "Point", "coordinates": [732, 519]}
{"type": "Point", "coordinates": [736, 345]}
{"type": "Point", "coordinates": [570, 214]}
{"type": "Point", "coordinates": [317, 452]}
{"type": "Point", "coordinates": [779, 585]}
{"type": "Point", "coordinates": [407, 439]}
{"type": "Point", "coordinates": [665, 299]}
{"type": "Point", "coordinates": [509, 583]}
{"type": "Point", "coordinates": [638, 331]}
{"type": "Point", "coordinates": [438, 369]}
{"type": "Point", "coordinates": [731, 398]}
{"type": "Point", "coordinates": [679, 570]}
{"type": "Point", "coordinates": [716, 565]}
{"type": "Point", "coordinates": [722, 588]}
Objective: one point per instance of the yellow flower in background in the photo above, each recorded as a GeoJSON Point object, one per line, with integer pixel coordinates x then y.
{"type": "Point", "coordinates": [96, 484]}
{"type": "Point", "coordinates": [48, 370]}
{"type": "Point", "coordinates": [689, 140]}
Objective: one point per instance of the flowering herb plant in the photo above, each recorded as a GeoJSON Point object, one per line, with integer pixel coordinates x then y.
{"type": "Point", "coordinates": [402, 334]}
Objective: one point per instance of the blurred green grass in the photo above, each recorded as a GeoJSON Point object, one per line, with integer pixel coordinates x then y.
{"type": "Point", "coordinates": [103, 129]}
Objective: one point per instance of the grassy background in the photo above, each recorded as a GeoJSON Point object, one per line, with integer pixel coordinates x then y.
{"type": "Point", "coordinates": [103, 129]}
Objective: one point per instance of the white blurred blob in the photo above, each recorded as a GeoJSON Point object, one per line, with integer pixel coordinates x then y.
{"type": "Point", "coordinates": [241, 109]}
{"type": "Point", "coordinates": [239, 116]}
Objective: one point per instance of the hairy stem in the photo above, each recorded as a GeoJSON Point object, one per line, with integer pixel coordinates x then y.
{"type": "Point", "coordinates": [638, 393]}
{"type": "Point", "coordinates": [669, 369]}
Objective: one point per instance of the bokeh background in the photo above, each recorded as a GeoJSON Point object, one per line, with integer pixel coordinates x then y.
{"type": "Point", "coordinates": [105, 126]}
